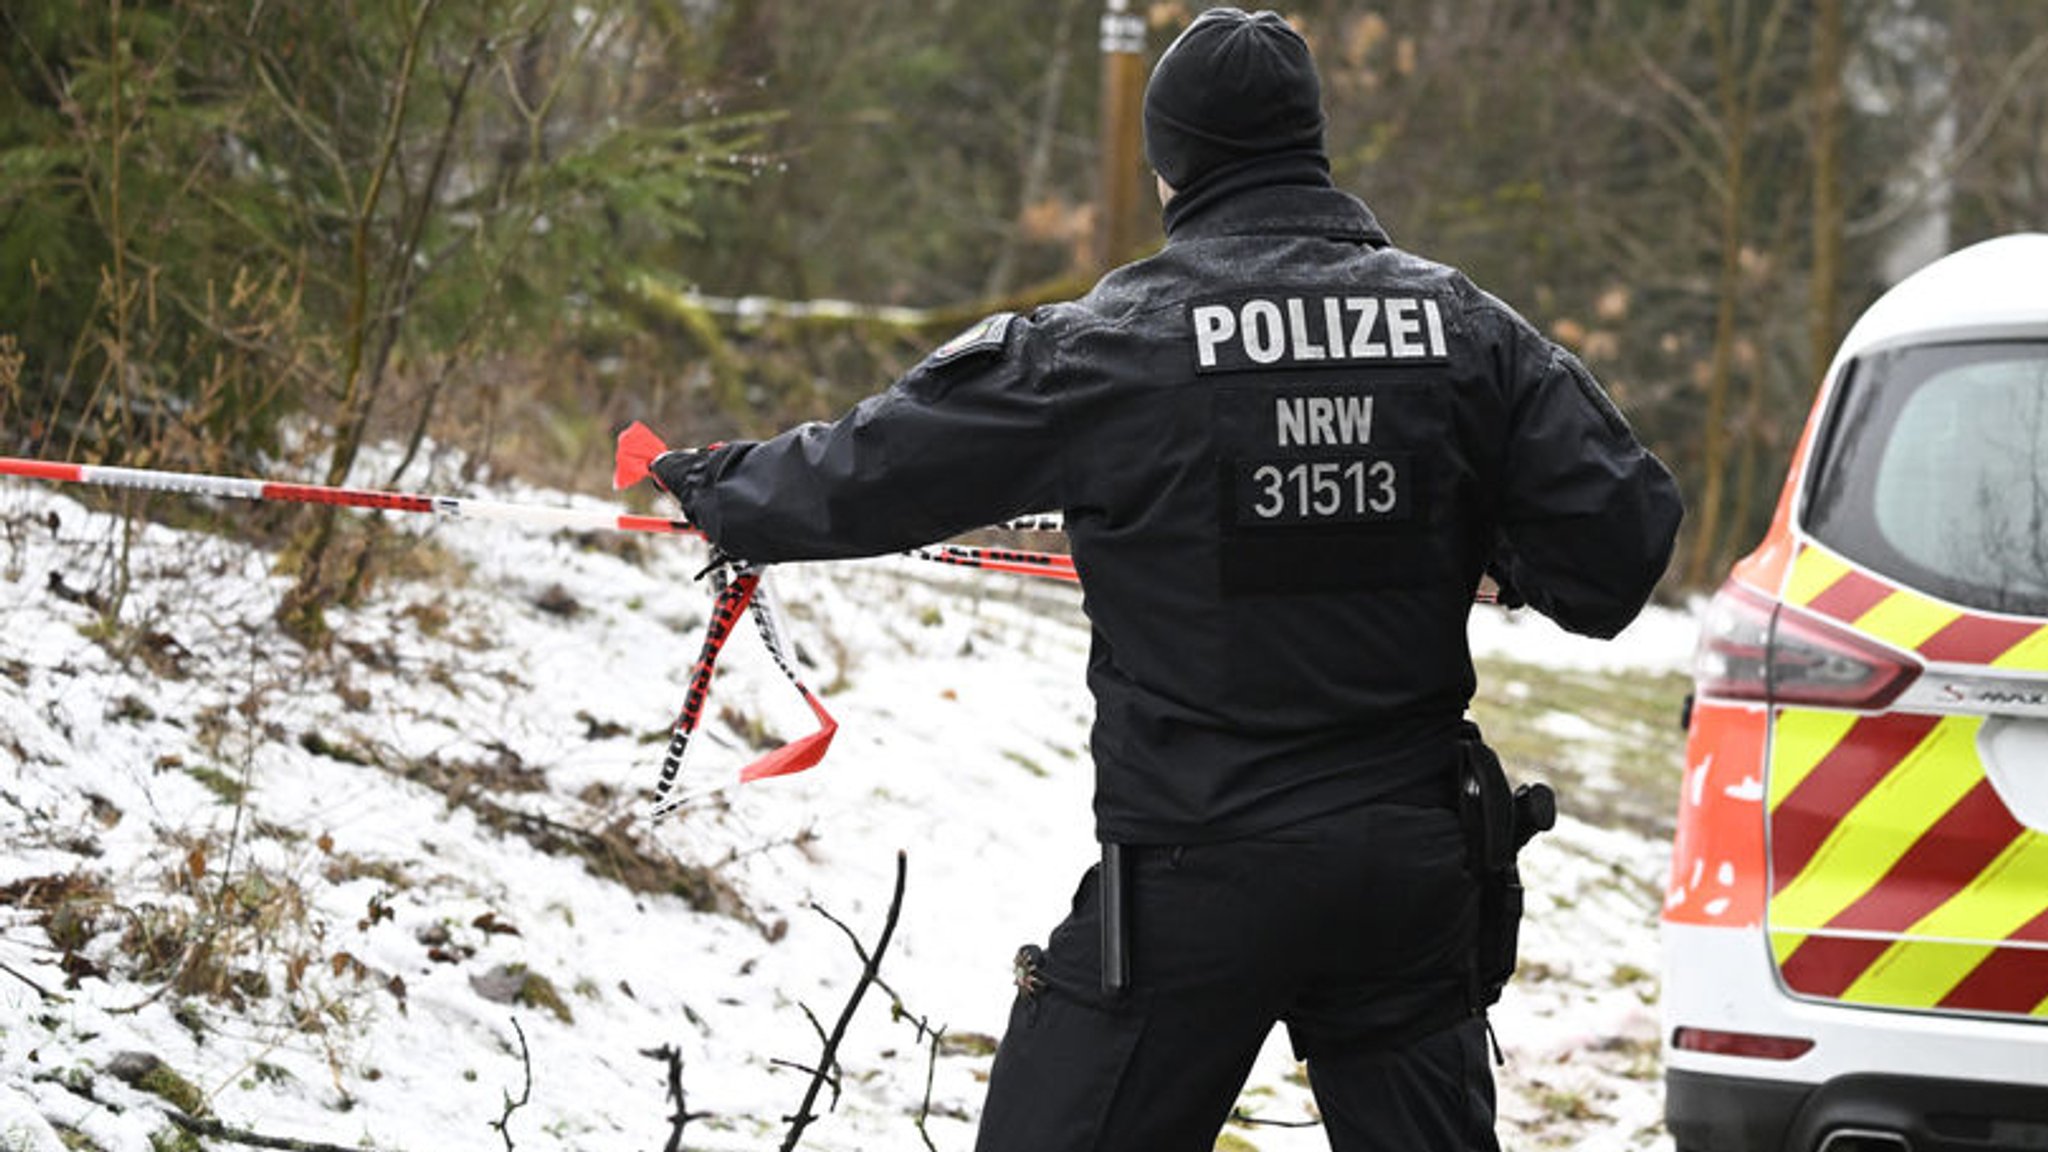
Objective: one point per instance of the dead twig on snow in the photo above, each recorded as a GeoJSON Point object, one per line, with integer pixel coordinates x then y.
{"type": "Point", "coordinates": [931, 1037]}
{"type": "Point", "coordinates": [682, 1115]}
{"type": "Point", "coordinates": [504, 1123]}
{"type": "Point", "coordinates": [829, 1058]}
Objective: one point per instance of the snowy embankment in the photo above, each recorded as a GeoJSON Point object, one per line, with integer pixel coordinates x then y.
{"type": "Point", "coordinates": [400, 894]}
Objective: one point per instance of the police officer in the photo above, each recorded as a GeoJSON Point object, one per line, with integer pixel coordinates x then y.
{"type": "Point", "coordinates": [1286, 451]}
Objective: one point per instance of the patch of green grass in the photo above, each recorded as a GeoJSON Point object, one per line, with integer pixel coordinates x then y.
{"type": "Point", "coordinates": [264, 1072]}
{"type": "Point", "coordinates": [1568, 1105]}
{"type": "Point", "coordinates": [967, 1044]}
{"type": "Point", "coordinates": [228, 788]}
{"type": "Point", "coordinates": [537, 991]}
{"type": "Point", "coordinates": [148, 1074]}
{"type": "Point", "coordinates": [1625, 772]}
{"type": "Point", "coordinates": [1026, 762]}
{"type": "Point", "coordinates": [174, 1139]}
{"type": "Point", "coordinates": [1627, 974]}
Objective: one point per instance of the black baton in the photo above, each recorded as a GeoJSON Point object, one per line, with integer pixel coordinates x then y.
{"type": "Point", "coordinates": [1116, 925]}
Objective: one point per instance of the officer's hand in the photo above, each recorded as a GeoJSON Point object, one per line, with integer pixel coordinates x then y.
{"type": "Point", "coordinates": [1505, 594]}
{"type": "Point", "coordinates": [678, 469]}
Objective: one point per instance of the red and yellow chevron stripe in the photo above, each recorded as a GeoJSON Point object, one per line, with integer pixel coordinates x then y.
{"type": "Point", "coordinates": [1826, 584]}
{"type": "Point", "coordinates": [1897, 875]}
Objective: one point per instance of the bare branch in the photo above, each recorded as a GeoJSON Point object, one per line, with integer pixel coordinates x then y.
{"type": "Point", "coordinates": [504, 1123]}
{"type": "Point", "coordinates": [48, 996]}
{"type": "Point", "coordinates": [829, 1057]}
{"type": "Point", "coordinates": [1914, 196]}
{"type": "Point", "coordinates": [931, 1072]}
{"type": "Point", "coordinates": [682, 1116]}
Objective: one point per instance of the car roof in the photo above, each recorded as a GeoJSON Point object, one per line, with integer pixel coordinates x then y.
{"type": "Point", "coordinates": [1996, 288]}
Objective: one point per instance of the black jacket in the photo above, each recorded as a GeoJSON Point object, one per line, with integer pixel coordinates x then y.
{"type": "Point", "coordinates": [1286, 451]}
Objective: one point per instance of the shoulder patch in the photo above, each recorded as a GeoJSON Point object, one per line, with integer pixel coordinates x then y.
{"type": "Point", "coordinates": [984, 336]}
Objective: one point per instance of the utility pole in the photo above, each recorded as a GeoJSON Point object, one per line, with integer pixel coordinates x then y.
{"type": "Point", "coordinates": [1123, 95]}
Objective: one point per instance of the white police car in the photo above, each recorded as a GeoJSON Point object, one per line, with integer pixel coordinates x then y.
{"type": "Point", "coordinates": [1856, 925]}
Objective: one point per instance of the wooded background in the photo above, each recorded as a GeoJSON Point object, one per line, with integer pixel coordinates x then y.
{"type": "Point", "coordinates": [242, 235]}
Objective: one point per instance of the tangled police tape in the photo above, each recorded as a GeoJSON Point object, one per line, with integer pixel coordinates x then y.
{"type": "Point", "coordinates": [738, 589]}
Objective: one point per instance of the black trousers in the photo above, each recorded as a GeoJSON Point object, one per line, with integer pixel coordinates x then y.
{"type": "Point", "coordinates": [1352, 929]}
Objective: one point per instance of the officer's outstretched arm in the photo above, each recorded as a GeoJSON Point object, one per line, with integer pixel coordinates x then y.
{"type": "Point", "coordinates": [963, 440]}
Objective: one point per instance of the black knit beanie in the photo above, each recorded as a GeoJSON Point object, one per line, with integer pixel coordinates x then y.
{"type": "Point", "coordinates": [1234, 87]}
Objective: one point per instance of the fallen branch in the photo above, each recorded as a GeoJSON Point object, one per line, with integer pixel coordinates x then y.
{"type": "Point", "coordinates": [48, 996]}
{"type": "Point", "coordinates": [215, 1130]}
{"type": "Point", "coordinates": [829, 1057]}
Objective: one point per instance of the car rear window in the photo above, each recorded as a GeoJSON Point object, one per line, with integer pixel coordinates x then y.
{"type": "Point", "coordinates": [1933, 470]}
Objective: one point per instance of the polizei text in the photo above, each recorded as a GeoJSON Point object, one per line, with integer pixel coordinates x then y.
{"type": "Point", "coordinates": [1333, 331]}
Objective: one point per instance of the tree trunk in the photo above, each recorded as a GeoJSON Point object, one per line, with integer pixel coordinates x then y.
{"type": "Point", "coordinates": [1706, 546]}
{"type": "Point", "coordinates": [1826, 285]}
{"type": "Point", "coordinates": [1038, 164]}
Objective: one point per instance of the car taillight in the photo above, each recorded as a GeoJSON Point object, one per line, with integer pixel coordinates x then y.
{"type": "Point", "coordinates": [1754, 648]}
{"type": "Point", "coordinates": [1733, 657]}
{"type": "Point", "coordinates": [1750, 1044]}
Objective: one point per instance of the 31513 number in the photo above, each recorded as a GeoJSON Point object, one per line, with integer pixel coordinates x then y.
{"type": "Point", "coordinates": [1351, 490]}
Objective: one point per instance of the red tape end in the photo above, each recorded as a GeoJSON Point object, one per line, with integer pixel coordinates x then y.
{"type": "Point", "coordinates": [796, 755]}
{"type": "Point", "coordinates": [638, 446]}
{"type": "Point", "coordinates": [41, 469]}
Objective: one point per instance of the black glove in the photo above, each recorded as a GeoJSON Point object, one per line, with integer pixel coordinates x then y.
{"type": "Point", "coordinates": [1505, 594]}
{"type": "Point", "coordinates": [678, 469]}
{"type": "Point", "coordinates": [1500, 570]}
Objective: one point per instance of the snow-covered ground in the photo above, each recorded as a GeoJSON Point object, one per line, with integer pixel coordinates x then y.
{"type": "Point", "coordinates": [437, 885]}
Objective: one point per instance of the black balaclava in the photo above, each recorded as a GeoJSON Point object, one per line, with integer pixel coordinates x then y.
{"type": "Point", "coordinates": [1234, 94]}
